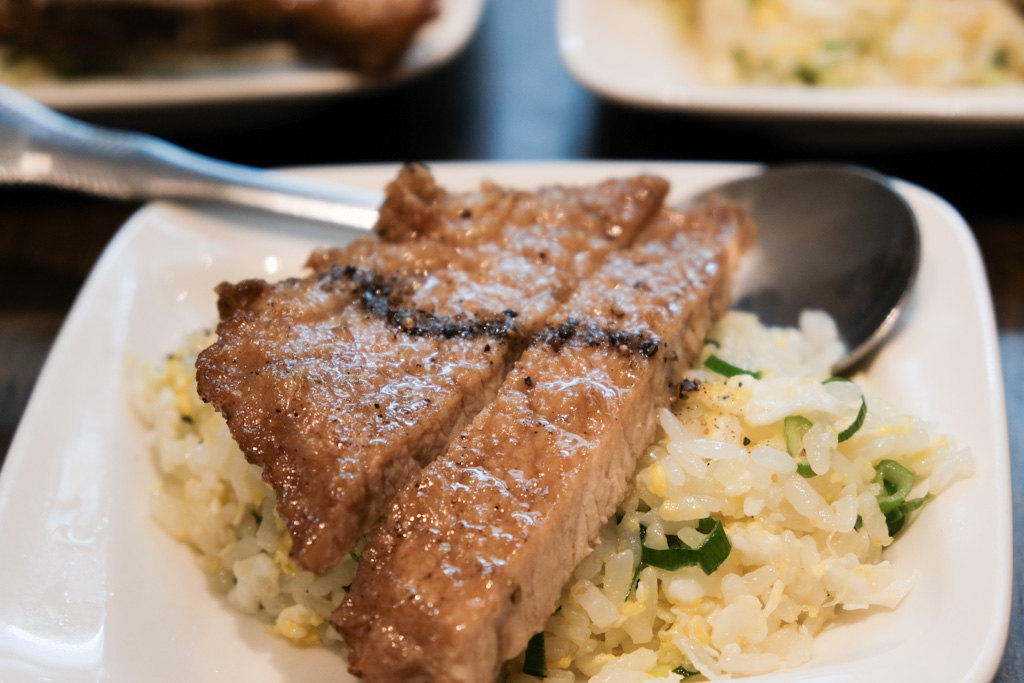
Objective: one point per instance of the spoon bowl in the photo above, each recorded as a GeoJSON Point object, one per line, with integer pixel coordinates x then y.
{"type": "Point", "coordinates": [831, 237]}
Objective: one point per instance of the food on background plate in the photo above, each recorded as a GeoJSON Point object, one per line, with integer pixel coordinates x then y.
{"type": "Point", "coordinates": [596, 379]}
{"type": "Point", "coordinates": [75, 36]}
{"type": "Point", "coordinates": [921, 43]}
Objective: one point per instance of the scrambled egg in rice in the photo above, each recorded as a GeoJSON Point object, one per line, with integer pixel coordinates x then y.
{"type": "Point", "coordinates": [794, 535]}
{"type": "Point", "coordinates": [806, 524]}
{"type": "Point", "coordinates": [928, 43]}
{"type": "Point", "coordinates": [210, 498]}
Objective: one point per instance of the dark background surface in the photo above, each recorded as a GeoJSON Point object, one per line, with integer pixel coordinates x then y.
{"type": "Point", "coordinates": [508, 97]}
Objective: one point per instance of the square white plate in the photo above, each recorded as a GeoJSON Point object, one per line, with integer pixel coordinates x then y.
{"type": "Point", "coordinates": [211, 81]}
{"type": "Point", "coordinates": [630, 51]}
{"type": "Point", "coordinates": [91, 588]}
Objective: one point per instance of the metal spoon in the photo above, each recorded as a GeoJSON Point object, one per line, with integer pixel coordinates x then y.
{"type": "Point", "coordinates": [835, 238]}
{"type": "Point", "coordinates": [832, 237]}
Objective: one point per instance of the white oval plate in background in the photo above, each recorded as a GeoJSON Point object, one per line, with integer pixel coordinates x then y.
{"type": "Point", "coordinates": [630, 51]}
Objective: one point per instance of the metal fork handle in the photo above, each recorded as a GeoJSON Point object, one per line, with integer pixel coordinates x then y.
{"type": "Point", "coordinates": [38, 146]}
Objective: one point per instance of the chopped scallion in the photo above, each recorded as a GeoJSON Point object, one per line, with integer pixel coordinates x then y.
{"type": "Point", "coordinates": [742, 59]}
{"type": "Point", "coordinates": [805, 471]}
{"type": "Point", "coordinates": [684, 673]}
{"type": "Point", "coordinates": [896, 481]}
{"type": "Point", "coordinates": [808, 74]}
{"type": "Point", "coordinates": [858, 421]}
{"type": "Point", "coordinates": [896, 518]}
{"type": "Point", "coordinates": [838, 45]}
{"type": "Point", "coordinates": [794, 428]}
{"type": "Point", "coordinates": [535, 660]}
{"type": "Point", "coordinates": [709, 555]}
{"type": "Point", "coordinates": [636, 578]}
{"type": "Point", "coordinates": [716, 364]}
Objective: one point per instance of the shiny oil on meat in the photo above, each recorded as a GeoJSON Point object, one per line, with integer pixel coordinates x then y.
{"type": "Point", "coordinates": [471, 558]}
{"type": "Point", "coordinates": [343, 384]}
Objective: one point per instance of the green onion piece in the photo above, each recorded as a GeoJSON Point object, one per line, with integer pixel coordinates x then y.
{"type": "Point", "coordinates": [895, 519]}
{"type": "Point", "coordinates": [636, 580]}
{"type": "Point", "coordinates": [837, 45]}
{"type": "Point", "coordinates": [794, 428]}
{"type": "Point", "coordinates": [808, 74]}
{"type": "Point", "coordinates": [858, 421]}
{"type": "Point", "coordinates": [896, 481]}
{"type": "Point", "coordinates": [640, 565]}
{"type": "Point", "coordinates": [742, 59]}
{"type": "Point", "coordinates": [716, 364]}
{"type": "Point", "coordinates": [709, 555]}
{"type": "Point", "coordinates": [684, 672]}
{"type": "Point", "coordinates": [535, 661]}
{"type": "Point", "coordinates": [805, 471]}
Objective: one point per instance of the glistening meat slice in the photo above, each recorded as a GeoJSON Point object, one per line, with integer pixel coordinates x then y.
{"type": "Point", "coordinates": [416, 207]}
{"type": "Point", "coordinates": [472, 556]}
{"type": "Point", "coordinates": [343, 384]}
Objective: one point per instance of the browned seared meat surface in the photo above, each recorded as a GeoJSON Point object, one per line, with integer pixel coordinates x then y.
{"type": "Point", "coordinates": [415, 206]}
{"type": "Point", "coordinates": [472, 556]}
{"type": "Point", "coordinates": [370, 35]}
{"type": "Point", "coordinates": [343, 384]}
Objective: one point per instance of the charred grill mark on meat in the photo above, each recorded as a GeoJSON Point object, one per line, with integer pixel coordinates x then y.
{"type": "Point", "coordinates": [380, 295]}
{"type": "Point", "coordinates": [592, 333]}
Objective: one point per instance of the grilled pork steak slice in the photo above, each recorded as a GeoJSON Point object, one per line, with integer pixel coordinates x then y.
{"type": "Point", "coordinates": [472, 556]}
{"type": "Point", "coordinates": [369, 35]}
{"type": "Point", "coordinates": [343, 384]}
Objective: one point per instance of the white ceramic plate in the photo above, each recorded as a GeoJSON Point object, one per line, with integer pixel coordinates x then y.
{"type": "Point", "coordinates": [91, 589]}
{"type": "Point", "coordinates": [629, 51]}
{"type": "Point", "coordinates": [269, 79]}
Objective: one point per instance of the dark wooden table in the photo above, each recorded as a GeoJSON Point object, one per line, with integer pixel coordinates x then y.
{"type": "Point", "coordinates": [508, 97]}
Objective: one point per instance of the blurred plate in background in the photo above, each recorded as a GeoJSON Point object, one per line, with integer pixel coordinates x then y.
{"type": "Point", "coordinates": [253, 76]}
{"type": "Point", "coordinates": [632, 51]}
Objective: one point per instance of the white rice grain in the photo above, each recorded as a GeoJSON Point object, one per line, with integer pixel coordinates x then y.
{"type": "Point", "coordinates": [803, 550]}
